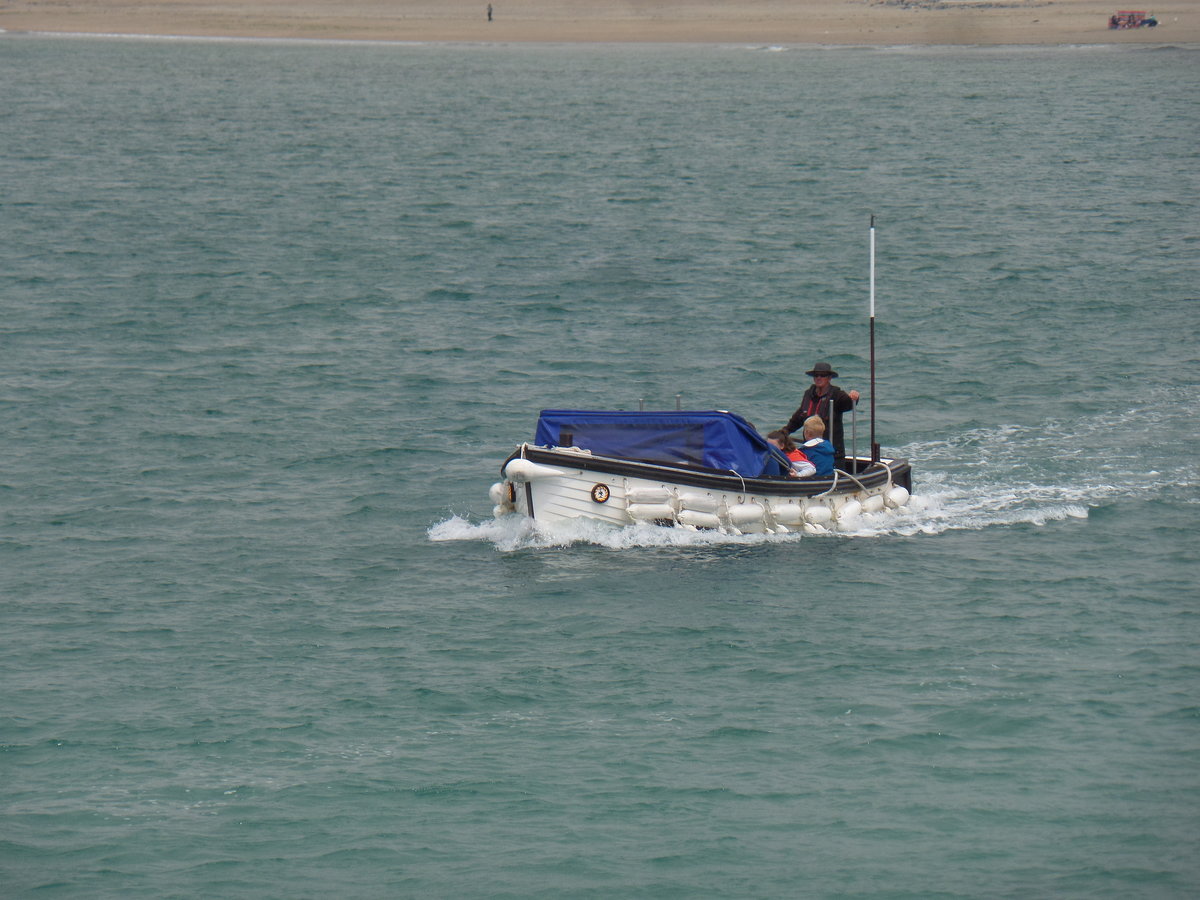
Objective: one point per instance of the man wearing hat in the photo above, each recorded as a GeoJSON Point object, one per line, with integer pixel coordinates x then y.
{"type": "Point", "coordinates": [823, 399]}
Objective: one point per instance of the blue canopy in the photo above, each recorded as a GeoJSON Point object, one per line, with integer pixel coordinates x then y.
{"type": "Point", "coordinates": [714, 439]}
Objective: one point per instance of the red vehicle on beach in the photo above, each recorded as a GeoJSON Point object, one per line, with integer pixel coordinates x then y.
{"type": "Point", "coordinates": [1130, 18]}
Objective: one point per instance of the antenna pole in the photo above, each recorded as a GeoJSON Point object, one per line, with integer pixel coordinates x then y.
{"type": "Point", "coordinates": [874, 446]}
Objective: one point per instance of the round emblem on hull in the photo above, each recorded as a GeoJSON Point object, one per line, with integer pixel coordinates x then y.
{"type": "Point", "coordinates": [600, 493]}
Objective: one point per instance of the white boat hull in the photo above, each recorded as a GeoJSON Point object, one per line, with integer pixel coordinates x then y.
{"type": "Point", "coordinates": [562, 484]}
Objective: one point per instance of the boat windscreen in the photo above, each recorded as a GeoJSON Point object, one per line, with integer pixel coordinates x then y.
{"type": "Point", "coordinates": [712, 439]}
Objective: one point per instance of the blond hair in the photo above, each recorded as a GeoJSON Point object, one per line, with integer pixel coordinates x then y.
{"type": "Point", "coordinates": [814, 426]}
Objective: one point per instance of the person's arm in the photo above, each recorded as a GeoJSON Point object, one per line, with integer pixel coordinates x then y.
{"type": "Point", "coordinates": [802, 468]}
{"type": "Point", "coordinates": [795, 421]}
{"type": "Point", "coordinates": [798, 417]}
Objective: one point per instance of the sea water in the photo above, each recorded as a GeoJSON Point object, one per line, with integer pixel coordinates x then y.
{"type": "Point", "coordinates": [273, 315]}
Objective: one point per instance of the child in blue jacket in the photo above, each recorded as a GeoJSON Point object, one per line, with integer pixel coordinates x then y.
{"type": "Point", "coordinates": [818, 450]}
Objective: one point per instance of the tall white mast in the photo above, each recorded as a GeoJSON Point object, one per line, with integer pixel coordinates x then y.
{"type": "Point", "coordinates": [874, 445]}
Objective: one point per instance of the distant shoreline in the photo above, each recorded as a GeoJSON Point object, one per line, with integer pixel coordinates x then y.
{"type": "Point", "coordinates": [387, 42]}
{"type": "Point", "coordinates": [874, 23]}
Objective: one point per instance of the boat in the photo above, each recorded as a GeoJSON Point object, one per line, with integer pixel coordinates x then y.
{"type": "Point", "coordinates": [698, 470]}
{"type": "Point", "coordinates": [701, 470]}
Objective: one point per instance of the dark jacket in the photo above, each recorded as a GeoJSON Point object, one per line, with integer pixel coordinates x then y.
{"type": "Point", "coordinates": [810, 405]}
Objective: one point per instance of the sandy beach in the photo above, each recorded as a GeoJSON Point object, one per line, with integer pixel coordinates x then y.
{"type": "Point", "coordinates": [782, 22]}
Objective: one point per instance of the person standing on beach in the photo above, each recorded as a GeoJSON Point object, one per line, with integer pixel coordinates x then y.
{"type": "Point", "coordinates": [829, 402]}
{"type": "Point", "coordinates": [489, 12]}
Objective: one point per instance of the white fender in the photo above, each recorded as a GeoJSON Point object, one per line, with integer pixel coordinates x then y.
{"type": "Point", "coordinates": [873, 504]}
{"type": "Point", "coordinates": [818, 514]}
{"type": "Point", "coordinates": [698, 519]}
{"type": "Point", "coordinates": [788, 513]}
{"type": "Point", "coordinates": [699, 502]}
{"type": "Point", "coordinates": [849, 511]}
{"type": "Point", "coordinates": [524, 470]}
{"type": "Point", "coordinates": [648, 495]}
{"type": "Point", "coordinates": [498, 493]}
{"type": "Point", "coordinates": [648, 512]}
{"type": "Point", "coordinates": [815, 529]}
{"type": "Point", "coordinates": [744, 513]}
{"type": "Point", "coordinates": [498, 511]}
{"type": "Point", "coordinates": [896, 497]}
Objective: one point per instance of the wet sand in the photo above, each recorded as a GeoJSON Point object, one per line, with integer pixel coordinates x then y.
{"type": "Point", "coordinates": [783, 22]}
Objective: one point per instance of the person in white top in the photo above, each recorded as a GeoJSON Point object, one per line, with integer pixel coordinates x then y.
{"type": "Point", "coordinates": [802, 467]}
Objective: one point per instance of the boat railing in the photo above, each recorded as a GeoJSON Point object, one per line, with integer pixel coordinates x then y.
{"type": "Point", "coordinates": [739, 477]}
{"type": "Point", "coordinates": [861, 486]}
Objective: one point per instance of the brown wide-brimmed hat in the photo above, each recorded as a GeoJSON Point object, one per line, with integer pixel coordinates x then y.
{"type": "Point", "coordinates": [822, 368]}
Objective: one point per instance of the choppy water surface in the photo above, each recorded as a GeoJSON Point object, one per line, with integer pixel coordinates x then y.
{"type": "Point", "coordinates": [273, 315]}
